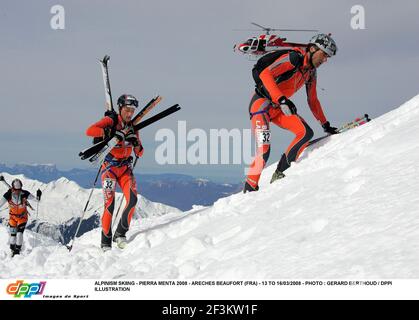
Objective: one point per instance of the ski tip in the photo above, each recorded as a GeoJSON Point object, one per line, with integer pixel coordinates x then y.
{"type": "Point", "coordinates": [104, 61]}
{"type": "Point", "coordinates": [82, 156]}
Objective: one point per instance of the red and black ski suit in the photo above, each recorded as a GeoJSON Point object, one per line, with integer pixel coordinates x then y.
{"type": "Point", "coordinates": [117, 169]}
{"type": "Point", "coordinates": [18, 211]}
{"type": "Point", "coordinates": [281, 74]}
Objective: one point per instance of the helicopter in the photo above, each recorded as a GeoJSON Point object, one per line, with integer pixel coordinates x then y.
{"type": "Point", "coordinates": [262, 44]}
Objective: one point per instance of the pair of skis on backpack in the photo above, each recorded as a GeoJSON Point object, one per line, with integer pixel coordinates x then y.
{"type": "Point", "coordinates": [348, 126]}
{"type": "Point", "coordinates": [97, 153]}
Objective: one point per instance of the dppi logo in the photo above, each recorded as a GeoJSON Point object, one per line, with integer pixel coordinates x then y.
{"type": "Point", "coordinates": [27, 290]}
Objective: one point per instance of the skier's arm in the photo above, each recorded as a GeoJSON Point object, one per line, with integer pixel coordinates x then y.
{"type": "Point", "coordinates": [279, 66]}
{"type": "Point", "coordinates": [31, 197]}
{"type": "Point", "coordinates": [138, 150]}
{"type": "Point", "coordinates": [98, 129]}
{"type": "Point", "coordinates": [313, 101]}
{"type": "Point", "coordinates": [26, 196]}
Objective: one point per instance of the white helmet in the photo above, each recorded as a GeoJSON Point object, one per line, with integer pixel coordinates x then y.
{"type": "Point", "coordinates": [325, 43]}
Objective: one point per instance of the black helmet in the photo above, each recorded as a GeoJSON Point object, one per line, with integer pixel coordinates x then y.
{"type": "Point", "coordinates": [127, 100]}
{"type": "Point", "coordinates": [17, 184]}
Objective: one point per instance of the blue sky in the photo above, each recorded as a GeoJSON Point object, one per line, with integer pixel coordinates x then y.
{"type": "Point", "coordinates": [51, 86]}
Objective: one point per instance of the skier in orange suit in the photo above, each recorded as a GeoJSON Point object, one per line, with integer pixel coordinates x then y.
{"type": "Point", "coordinates": [117, 168]}
{"type": "Point", "coordinates": [278, 76]}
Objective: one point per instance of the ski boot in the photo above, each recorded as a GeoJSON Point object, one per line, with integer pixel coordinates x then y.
{"type": "Point", "coordinates": [277, 175]}
{"type": "Point", "coordinates": [106, 248]}
{"type": "Point", "coordinates": [249, 188]}
{"type": "Point", "coordinates": [121, 241]}
{"type": "Point", "coordinates": [15, 250]}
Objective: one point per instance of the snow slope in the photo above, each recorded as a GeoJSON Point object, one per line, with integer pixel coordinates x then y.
{"type": "Point", "coordinates": [347, 209]}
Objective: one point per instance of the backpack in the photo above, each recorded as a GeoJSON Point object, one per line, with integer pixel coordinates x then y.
{"type": "Point", "coordinates": [263, 63]}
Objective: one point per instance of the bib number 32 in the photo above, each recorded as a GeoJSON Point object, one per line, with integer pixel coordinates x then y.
{"type": "Point", "coordinates": [263, 137]}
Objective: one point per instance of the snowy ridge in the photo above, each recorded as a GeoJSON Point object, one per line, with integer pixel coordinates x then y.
{"type": "Point", "coordinates": [347, 208]}
{"type": "Point", "coordinates": [63, 200]}
{"type": "Point", "coordinates": [62, 205]}
{"type": "Point", "coordinates": [167, 188]}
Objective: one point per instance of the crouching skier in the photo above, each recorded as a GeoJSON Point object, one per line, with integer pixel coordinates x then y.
{"type": "Point", "coordinates": [117, 168]}
{"type": "Point", "coordinates": [278, 76]}
{"type": "Point", "coordinates": [17, 198]}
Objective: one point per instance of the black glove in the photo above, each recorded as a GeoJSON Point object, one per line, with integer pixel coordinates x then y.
{"type": "Point", "coordinates": [113, 115]}
{"type": "Point", "coordinates": [109, 132]}
{"type": "Point", "coordinates": [328, 129]}
{"type": "Point", "coordinates": [38, 194]}
{"type": "Point", "coordinates": [132, 138]}
{"type": "Point", "coordinates": [120, 135]}
{"type": "Point", "coordinates": [1, 178]}
{"type": "Point", "coordinates": [287, 107]}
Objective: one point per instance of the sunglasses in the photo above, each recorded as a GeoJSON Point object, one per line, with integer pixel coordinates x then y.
{"type": "Point", "coordinates": [131, 103]}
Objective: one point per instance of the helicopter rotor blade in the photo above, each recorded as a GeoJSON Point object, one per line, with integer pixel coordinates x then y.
{"type": "Point", "coordinates": [307, 30]}
{"type": "Point", "coordinates": [258, 25]}
{"type": "Point", "coordinates": [246, 30]}
{"type": "Point", "coordinates": [304, 30]}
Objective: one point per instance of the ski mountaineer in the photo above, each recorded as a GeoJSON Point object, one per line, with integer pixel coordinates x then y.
{"type": "Point", "coordinates": [278, 76]}
{"type": "Point", "coordinates": [117, 168]}
{"type": "Point", "coordinates": [17, 198]}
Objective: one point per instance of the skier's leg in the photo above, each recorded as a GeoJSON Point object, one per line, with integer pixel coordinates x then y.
{"type": "Point", "coordinates": [262, 132]}
{"type": "Point", "coordinates": [13, 232]}
{"type": "Point", "coordinates": [303, 134]}
{"type": "Point", "coordinates": [129, 188]}
{"type": "Point", "coordinates": [19, 237]}
{"type": "Point", "coordinates": [109, 186]}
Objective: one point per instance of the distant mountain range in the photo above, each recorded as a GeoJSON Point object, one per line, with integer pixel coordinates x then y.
{"type": "Point", "coordinates": [58, 214]}
{"type": "Point", "coordinates": [176, 190]}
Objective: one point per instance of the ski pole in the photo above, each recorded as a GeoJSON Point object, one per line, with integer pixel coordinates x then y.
{"type": "Point", "coordinates": [350, 125]}
{"type": "Point", "coordinates": [38, 198]}
{"type": "Point", "coordinates": [122, 198]}
{"type": "Point", "coordinates": [357, 122]}
{"type": "Point", "coordinates": [70, 246]}
{"type": "Point", "coordinates": [35, 220]}
{"type": "Point", "coordinates": [34, 226]}
{"type": "Point", "coordinates": [37, 209]}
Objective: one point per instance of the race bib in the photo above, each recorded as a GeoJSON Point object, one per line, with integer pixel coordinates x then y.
{"type": "Point", "coordinates": [263, 137]}
{"type": "Point", "coordinates": [109, 184]}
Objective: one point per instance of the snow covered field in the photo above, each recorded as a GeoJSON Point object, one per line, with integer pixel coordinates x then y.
{"type": "Point", "coordinates": [349, 208]}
